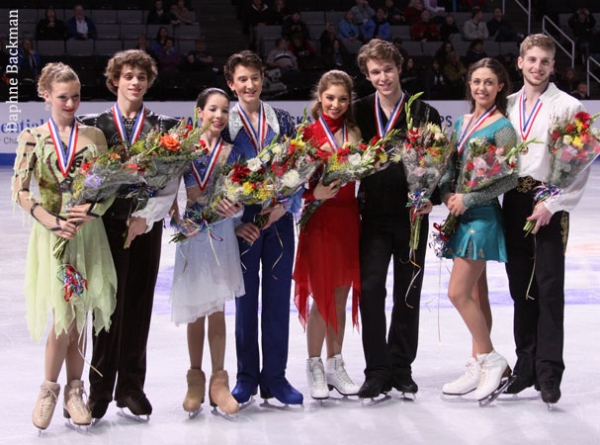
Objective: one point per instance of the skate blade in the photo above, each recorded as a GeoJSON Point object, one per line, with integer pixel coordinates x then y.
{"type": "Point", "coordinates": [194, 414]}
{"type": "Point", "coordinates": [246, 404]}
{"type": "Point", "coordinates": [95, 421]}
{"type": "Point", "coordinates": [124, 412]}
{"type": "Point", "coordinates": [283, 407]}
{"type": "Point", "coordinates": [81, 429]}
{"type": "Point", "coordinates": [408, 396]}
{"type": "Point", "coordinates": [504, 383]}
{"type": "Point", "coordinates": [373, 401]}
{"type": "Point", "coordinates": [231, 417]}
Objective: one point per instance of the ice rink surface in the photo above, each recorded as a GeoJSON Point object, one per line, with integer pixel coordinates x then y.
{"type": "Point", "coordinates": [444, 346]}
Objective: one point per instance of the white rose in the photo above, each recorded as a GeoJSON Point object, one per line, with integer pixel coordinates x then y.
{"type": "Point", "coordinates": [567, 139]}
{"type": "Point", "coordinates": [254, 164]}
{"type": "Point", "coordinates": [276, 149]}
{"type": "Point", "coordinates": [291, 179]}
{"type": "Point", "coordinates": [266, 157]}
{"type": "Point", "coordinates": [354, 159]}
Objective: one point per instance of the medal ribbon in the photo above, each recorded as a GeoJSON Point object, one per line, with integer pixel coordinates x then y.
{"type": "Point", "coordinates": [257, 138]}
{"type": "Point", "coordinates": [64, 159]}
{"type": "Point", "coordinates": [394, 115]}
{"type": "Point", "coordinates": [329, 134]}
{"type": "Point", "coordinates": [525, 122]}
{"type": "Point", "coordinates": [212, 162]}
{"type": "Point", "coordinates": [467, 131]}
{"type": "Point", "coordinates": [137, 126]}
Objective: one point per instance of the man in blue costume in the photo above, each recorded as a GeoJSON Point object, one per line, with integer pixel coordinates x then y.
{"type": "Point", "coordinates": [253, 124]}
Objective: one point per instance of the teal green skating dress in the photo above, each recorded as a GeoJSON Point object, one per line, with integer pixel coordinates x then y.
{"type": "Point", "coordinates": [480, 233]}
{"type": "Point", "coordinates": [88, 252]}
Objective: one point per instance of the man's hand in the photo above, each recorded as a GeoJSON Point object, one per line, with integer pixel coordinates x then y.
{"type": "Point", "coordinates": [541, 215]}
{"type": "Point", "coordinates": [248, 231]}
{"type": "Point", "coordinates": [137, 226]}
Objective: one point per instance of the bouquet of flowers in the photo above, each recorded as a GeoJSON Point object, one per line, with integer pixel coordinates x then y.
{"type": "Point", "coordinates": [353, 162]}
{"type": "Point", "coordinates": [291, 164]}
{"type": "Point", "coordinates": [425, 156]}
{"type": "Point", "coordinates": [166, 156]}
{"type": "Point", "coordinates": [573, 147]}
{"type": "Point", "coordinates": [485, 163]}
{"type": "Point", "coordinates": [101, 179]}
{"type": "Point", "coordinates": [197, 218]}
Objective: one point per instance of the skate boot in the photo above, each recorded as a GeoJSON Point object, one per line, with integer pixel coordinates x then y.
{"type": "Point", "coordinates": [315, 373]}
{"type": "Point", "coordinates": [138, 407]}
{"type": "Point", "coordinates": [338, 378]}
{"type": "Point", "coordinates": [220, 396]}
{"type": "Point", "coordinates": [406, 385]}
{"type": "Point", "coordinates": [194, 397]}
{"type": "Point", "coordinates": [373, 387]}
{"type": "Point", "coordinates": [467, 382]}
{"type": "Point", "coordinates": [44, 407]}
{"type": "Point", "coordinates": [494, 377]}
{"type": "Point", "coordinates": [282, 391]}
{"type": "Point", "coordinates": [97, 408]}
{"type": "Point", "coordinates": [75, 410]}
{"type": "Point", "coordinates": [550, 393]}
{"type": "Point", "coordinates": [243, 392]}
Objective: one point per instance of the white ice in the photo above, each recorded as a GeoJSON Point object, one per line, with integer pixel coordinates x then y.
{"type": "Point", "coordinates": [444, 347]}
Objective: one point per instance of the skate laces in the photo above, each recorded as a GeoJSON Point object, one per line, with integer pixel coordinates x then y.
{"type": "Point", "coordinates": [49, 399]}
{"type": "Point", "coordinates": [317, 372]}
{"type": "Point", "coordinates": [340, 372]}
{"type": "Point", "coordinates": [75, 400]}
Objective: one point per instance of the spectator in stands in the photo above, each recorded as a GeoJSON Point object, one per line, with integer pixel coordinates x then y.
{"type": "Point", "coordinates": [443, 51]}
{"type": "Point", "coordinates": [425, 30]}
{"type": "Point", "coordinates": [160, 42]}
{"type": "Point", "coordinates": [142, 45]}
{"type": "Point", "coordinates": [160, 16]}
{"type": "Point", "coordinates": [475, 27]}
{"type": "Point", "coordinates": [361, 12]}
{"type": "Point", "coordinates": [501, 30]}
{"type": "Point", "coordinates": [448, 28]}
{"type": "Point", "coordinates": [435, 82]}
{"type": "Point", "coordinates": [582, 22]}
{"type": "Point", "coordinates": [281, 57]}
{"type": "Point", "coordinates": [50, 28]}
{"type": "Point", "coordinates": [29, 61]}
{"type": "Point", "coordinates": [257, 14]}
{"type": "Point", "coordinates": [333, 52]}
{"type": "Point", "coordinates": [183, 14]}
{"type": "Point", "coordinates": [581, 92]}
{"type": "Point", "coordinates": [377, 27]}
{"type": "Point", "coordinates": [305, 53]}
{"type": "Point", "coordinates": [80, 27]}
{"type": "Point", "coordinates": [397, 42]}
{"type": "Point", "coordinates": [569, 81]}
{"type": "Point", "coordinates": [347, 30]}
{"type": "Point", "coordinates": [413, 11]}
{"type": "Point", "coordinates": [514, 73]}
{"type": "Point", "coordinates": [434, 11]}
{"type": "Point", "coordinates": [169, 58]}
{"type": "Point", "coordinates": [198, 59]}
{"type": "Point", "coordinates": [393, 14]}
{"type": "Point", "coordinates": [295, 26]}
{"type": "Point", "coordinates": [409, 78]}
{"type": "Point", "coordinates": [454, 72]}
{"type": "Point", "coordinates": [475, 52]}
{"type": "Point", "coordinates": [327, 38]}
{"type": "Point", "coordinates": [468, 5]}
{"type": "Point", "coordinates": [280, 12]}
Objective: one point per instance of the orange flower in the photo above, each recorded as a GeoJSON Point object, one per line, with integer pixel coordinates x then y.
{"type": "Point", "coordinates": [114, 156]}
{"type": "Point", "coordinates": [169, 142]}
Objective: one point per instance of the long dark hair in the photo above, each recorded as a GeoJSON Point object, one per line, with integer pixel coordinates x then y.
{"type": "Point", "coordinates": [498, 69]}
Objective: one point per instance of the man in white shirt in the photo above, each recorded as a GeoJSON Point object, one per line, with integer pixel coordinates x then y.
{"type": "Point", "coordinates": [475, 28]}
{"type": "Point", "coordinates": [536, 263]}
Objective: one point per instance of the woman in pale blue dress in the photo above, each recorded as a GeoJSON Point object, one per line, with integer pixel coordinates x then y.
{"type": "Point", "coordinates": [207, 269]}
{"type": "Point", "coordinates": [479, 236]}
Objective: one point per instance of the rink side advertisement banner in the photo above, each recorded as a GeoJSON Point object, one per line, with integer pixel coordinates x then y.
{"type": "Point", "coordinates": [14, 117]}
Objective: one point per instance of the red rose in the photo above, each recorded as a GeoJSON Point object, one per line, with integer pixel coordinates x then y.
{"type": "Point", "coordinates": [570, 128]}
{"type": "Point", "coordinates": [469, 166]}
{"type": "Point", "coordinates": [374, 140]}
{"type": "Point", "coordinates": [582, 116]}
{"type": "Point", "coordinates": [555, 135]}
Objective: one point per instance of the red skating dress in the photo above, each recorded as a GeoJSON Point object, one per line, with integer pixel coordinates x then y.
{"type": "Point", "coordinates": [327, 256]}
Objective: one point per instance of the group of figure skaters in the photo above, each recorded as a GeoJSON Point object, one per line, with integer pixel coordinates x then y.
{"type": "Point", "coordinates": [345, 247]}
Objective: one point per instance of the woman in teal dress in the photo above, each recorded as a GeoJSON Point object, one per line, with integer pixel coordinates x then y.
{"type": "Point", "coordinates": [479, 236]}
{"type": "Point", "coordinates": [51, 154]}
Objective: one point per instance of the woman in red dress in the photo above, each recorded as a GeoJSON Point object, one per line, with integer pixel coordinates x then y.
{"type": "Point", "coordinates": [327, 259]}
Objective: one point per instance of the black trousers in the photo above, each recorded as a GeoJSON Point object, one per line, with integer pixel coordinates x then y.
{"type": "Point", "coordinates": [122, 350]}
{"type": "Point", "coordinates": [539, 315]}
{"type": "Point", "coordinates": [383, 239]}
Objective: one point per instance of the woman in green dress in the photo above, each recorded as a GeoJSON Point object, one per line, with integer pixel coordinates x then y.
{"type": "Point", "coordinates": [52, 153]}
